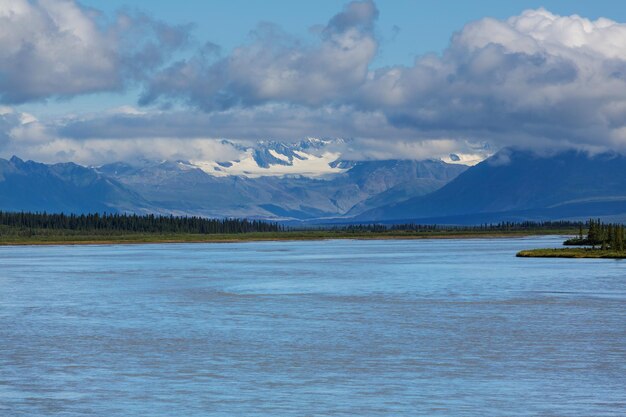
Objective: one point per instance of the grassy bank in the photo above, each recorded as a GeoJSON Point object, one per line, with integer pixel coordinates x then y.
{"type": "Point", "coordinates": [77, 238]}
{"type": "Point", "coordinates": [571, 253]}
{"type": "Point", "coordinates": [54, 237]}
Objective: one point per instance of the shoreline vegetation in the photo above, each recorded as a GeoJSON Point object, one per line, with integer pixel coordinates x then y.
{"type": "Point", "coordinates": [601, 241]}
{"type": "Point", "coordinates": [100, 229]}
{"type": "Point", "coordinates": [133, 238]}
{"type": "Point", "coordinates": [571, 253]}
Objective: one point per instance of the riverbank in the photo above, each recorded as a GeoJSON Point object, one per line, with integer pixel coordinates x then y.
{"type": "Point", "coordinates": [571, 253]}
{"type": "Point", "coordinates": [146, 238]}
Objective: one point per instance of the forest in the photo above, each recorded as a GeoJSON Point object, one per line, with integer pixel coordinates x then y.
{"type": "Point", "coordinates": [51, 228]}
{"type": "Point", "coordinates": [601, 240]}
{"type": "Point", "coordinates": [609, 236]}
{"type": "Point", "coordinates": [133, 223]}
{"type": "Point", "coordinates": [151, 223]}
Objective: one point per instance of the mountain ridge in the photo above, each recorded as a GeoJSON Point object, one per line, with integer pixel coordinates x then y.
{"type": "Point", "coordinates": [300, 197]}
{"type": "Point", "coordinates": [512, 185]}
{"type": "Point", "coordinates": [516, 181]}
{"type": "Point", "coordinates": [62, 187]}
{"type": "Point", "coordinates": [181, 188]}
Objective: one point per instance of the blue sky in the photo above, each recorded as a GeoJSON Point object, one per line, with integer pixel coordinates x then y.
{"type": "Point", "coordinates": [100, 80]}
{"type": "Point", "coordinates": [424, 26]}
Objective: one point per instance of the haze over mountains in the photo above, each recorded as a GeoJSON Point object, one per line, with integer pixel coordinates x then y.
{"type": "Point", "coordinates": [302, 181]}
{"type": "Point", "coordinates": [310, 182]}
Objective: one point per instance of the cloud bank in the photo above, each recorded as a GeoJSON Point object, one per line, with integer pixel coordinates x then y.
{"type": "Point", "coordinates": [533, 80]}
{"type": "Point", "coordinates": [536, 80]}
{"type": "Point", "coordinates": [278, 68]}
{"type": "Point", "coordinates": [58, 49]}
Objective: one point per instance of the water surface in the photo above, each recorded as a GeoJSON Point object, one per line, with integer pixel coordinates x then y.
{"type": "Point", "coordinates": [326, 328]}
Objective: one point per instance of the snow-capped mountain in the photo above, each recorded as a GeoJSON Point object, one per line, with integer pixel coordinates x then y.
{"type": "Point", "coordinates": [307, 179]}
{"type": "Point", "coordinates": [313, 158]}
{"type": "Point", "coordinates": [272, 180]}
{"type": "Point", "coordinates": [310, 157]}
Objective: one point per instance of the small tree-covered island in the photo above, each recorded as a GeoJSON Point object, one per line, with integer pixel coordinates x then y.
{"type": "Point", "coordinates": [601, 241]}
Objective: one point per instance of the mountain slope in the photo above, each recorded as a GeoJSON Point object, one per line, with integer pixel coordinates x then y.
{"type": "Point", "coordinates": [183, 188]}
{"type": "Point", "coordinates": [566, 185]}
{"type": "Point", "coordinates": [70, 188]}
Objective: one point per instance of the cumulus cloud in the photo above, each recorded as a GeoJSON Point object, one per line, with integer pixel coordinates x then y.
{"type": "Point", "coordinates": [20, 132]}
{"type": "Point", "coordinates": [8, 120]}
{"type": "Point", "coordinates": [276, 67]}
{"type": "Point", "coordinates": [271, 121]}
{"type": "Point", "coordinates": [57, 48]}
{"type": "Point", "coordinates": [535, 80]}
{"type": "Point", "coordinates": [127, 133]}
{"type": "Point", "coordinates": [23, 135]}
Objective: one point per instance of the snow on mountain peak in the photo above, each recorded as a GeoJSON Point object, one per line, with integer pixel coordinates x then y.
{"type": "Point", "coordinates": [465, 159]}
{"type": "Point", "coordinates": [307, 157]}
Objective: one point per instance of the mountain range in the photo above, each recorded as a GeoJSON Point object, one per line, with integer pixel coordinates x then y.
{"type": "Point", "coordinates": [515, 185]}
{"type": "Point", "coordinates": [310, 183]}
{"type": "Point", "coordinates": [301, 181]}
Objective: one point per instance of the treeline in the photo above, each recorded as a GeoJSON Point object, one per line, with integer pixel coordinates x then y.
{"type": "Point", "coordinates": [487, 227]}
{"type": "Point", "coordinates": [493, 227]}
{"type": "Point", "coordinates": [608, 236]}
{"type": "Point", "coordinates": [99, 224]}
{"type": "Point", "coordinates": [133, 223]}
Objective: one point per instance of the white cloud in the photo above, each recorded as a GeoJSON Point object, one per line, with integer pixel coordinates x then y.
{"type": "Point", "coordinates": [535, 80]}
{"type": "Point", "coordinates": [57, 48]}
{"type": "Point", "coordinates": [277, 67]}
{"type": "Point", "coordinates": [101, 151]}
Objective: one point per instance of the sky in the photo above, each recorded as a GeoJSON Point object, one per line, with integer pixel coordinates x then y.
{"type": "Point", "coordinates": [100, 81]}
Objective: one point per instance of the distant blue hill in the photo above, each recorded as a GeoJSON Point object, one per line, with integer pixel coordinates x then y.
{"type": "Point", "coordinates": [520, 185]}
{"type": "Point", "coordinates": [67, 187]}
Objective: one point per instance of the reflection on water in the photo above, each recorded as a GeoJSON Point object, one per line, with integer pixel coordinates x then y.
{"type": "Point", "coordinates": [438, 328]}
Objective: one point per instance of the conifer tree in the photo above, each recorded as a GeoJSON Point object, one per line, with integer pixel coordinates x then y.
{"type": "Point", "coordinates": [591, 234]}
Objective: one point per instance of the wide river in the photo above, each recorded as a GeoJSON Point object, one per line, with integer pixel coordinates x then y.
{"type": "Point", "coordinates": [324, 328]}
